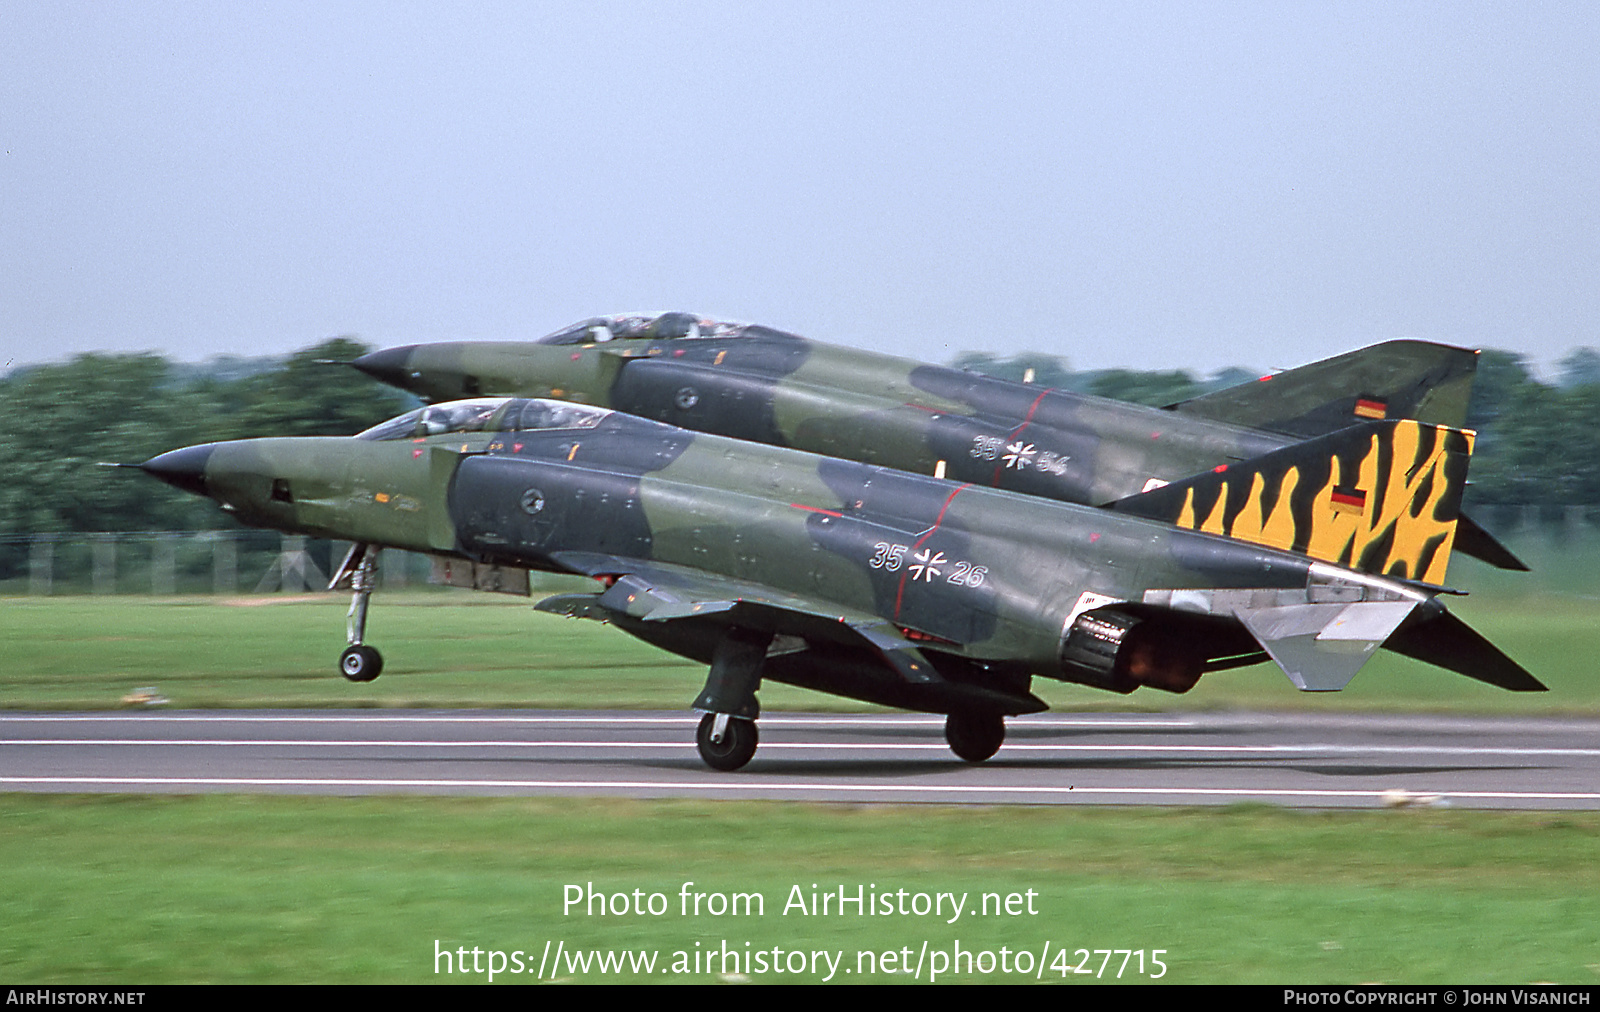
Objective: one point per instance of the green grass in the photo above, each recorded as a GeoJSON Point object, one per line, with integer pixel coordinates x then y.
{"type": "Point", "coordinates": [462, 649]}
{"type": "Point", "coordinates": [264, 888]}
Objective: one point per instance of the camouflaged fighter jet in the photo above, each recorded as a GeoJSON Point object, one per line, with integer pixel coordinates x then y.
{"type": "Point", "coordinates": [768, 386]}
{"type": "Point", "coordinates": [883, 585]}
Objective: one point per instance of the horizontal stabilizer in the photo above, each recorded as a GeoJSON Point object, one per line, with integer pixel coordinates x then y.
{"type": "Point", "coordinates": [1445, 640]}
{"type": "Point", "coordinates": [1473, 540]}
{"type": "Point", "coordinates": [1396, 379]}
{"type": "Point", "coordinates": [1322, 646]}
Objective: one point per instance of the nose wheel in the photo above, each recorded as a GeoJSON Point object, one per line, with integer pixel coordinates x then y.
{"type": "Point", "coordinates": [359, 662]}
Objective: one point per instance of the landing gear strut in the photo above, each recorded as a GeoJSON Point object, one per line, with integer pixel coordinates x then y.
{"type": "Point", "coordinates": [727, 735]}
{"type": "Point", "coordinates": [359, 662]}
{"type": "Point", "coordinates": [974, 736]}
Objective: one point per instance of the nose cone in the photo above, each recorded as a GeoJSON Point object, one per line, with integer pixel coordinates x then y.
{"type": "Point", "coordinates": [388, 366]}
{"type": "Point", "coordinates": [185, 468]}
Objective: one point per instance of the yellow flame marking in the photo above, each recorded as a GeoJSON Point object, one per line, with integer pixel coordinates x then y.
{"type": "Point", "coordinates": [1278, 531]}
{"type": "Point", "coordinates": [1213, 524]}
{"type": "Point", "coordinates": [1247, 525]}
{"type": "Point", "coordinates": [1333, 531]}
{"type": "Point", "coordinates": [1345, 536]}
{"type": "Point", "coordinates": [1186, 515]}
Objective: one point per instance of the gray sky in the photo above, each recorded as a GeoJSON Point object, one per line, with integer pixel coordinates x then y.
{"type": "Point", "coordinates": [1142, 185]}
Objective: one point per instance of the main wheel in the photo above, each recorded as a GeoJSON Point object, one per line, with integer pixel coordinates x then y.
{"type": "Point", "coordinates": [360, 663]}
{"type": "Point", "coordinates": [737, 746]}
{"type": "Point", "coordinates": [974, 736]}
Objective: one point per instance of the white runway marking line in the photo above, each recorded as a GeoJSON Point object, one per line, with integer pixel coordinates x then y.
{"type": "Point", "coordinates": [1300, 751]}
{"type": "Point", "coordinates": [686, 721]}
{"type": "Point", "coordinates": [745, 784]}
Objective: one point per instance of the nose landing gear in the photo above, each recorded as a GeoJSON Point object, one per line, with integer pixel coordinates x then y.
{"type": "Point", "coordinates": [359, 662]}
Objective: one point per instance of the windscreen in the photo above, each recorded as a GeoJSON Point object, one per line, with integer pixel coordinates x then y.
{"type": "Point", "coordinates": [654, 327]}
{"type": "Point", "coordinates": [437, 419]}
{"type": "Point", "coordinates": [491, 414]}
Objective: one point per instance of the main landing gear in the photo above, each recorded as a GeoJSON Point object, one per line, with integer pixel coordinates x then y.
{"type": "Point", "coordinates": [975, 736]}
{"type": "Point", "coordinates": [726, 743]}
{"type": "Point", "coordinates": [359, 662]}
{"type": "Point", "coordinates": [727, 735]}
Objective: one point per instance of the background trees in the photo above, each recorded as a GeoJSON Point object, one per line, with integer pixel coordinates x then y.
{"type": "Point", "coordinates": [61, 420]}
{"type": "Point", "coordinates": [1537, 441]}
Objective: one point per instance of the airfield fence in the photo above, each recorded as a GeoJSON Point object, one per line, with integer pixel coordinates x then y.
{"type": "Point", "coordinates": [183, 562]}
{"type": "Point", "coordinates": [1560, 544]}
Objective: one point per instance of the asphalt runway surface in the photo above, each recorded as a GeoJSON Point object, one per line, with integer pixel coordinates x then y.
{"type": "Point", "coordinates": [1300, 760]}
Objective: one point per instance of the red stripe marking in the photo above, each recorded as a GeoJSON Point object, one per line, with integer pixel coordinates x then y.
{"type": "Point", "coordinates": [900, 593]}
{"type": "Point", "coordinates": [816, 509]}
{"type": "Point", "coordinates": [1027, 420]}
{"type": "Point", "coordinates": [1031, 409]}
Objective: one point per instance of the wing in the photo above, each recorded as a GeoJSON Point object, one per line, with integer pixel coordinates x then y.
{"type": "Point", "coordinates": [815, 643]}
{"type": "Point", "coordinates": [662, 592]}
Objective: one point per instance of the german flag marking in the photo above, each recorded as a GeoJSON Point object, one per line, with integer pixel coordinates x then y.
{"type": "Point", "coordinates": [1371, 407]}
{"type": "Point", "coordinates": [1348, 499]}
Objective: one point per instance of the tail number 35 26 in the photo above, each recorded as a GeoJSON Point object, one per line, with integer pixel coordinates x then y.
{"type": "Point", "coordinates": [926, 565]}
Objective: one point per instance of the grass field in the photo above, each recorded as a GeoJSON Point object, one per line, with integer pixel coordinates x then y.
{"type": "Point", "coordinates": [282, 889]}
{"type": "Point", "coordinates": [462, 649]}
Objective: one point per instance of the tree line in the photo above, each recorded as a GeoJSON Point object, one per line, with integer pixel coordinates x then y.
{"type": "Point", "coordinates": [1536, 443]}
{"type": "Point", "coordinates": [66, 418]}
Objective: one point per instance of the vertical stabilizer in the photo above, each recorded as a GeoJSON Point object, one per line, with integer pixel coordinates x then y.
{"type": "Point", "coordinates": [1403, 379]}
{"type": "Point", "coordinates": [1383, 498]}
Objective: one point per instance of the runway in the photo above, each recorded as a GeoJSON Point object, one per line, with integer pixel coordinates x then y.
{"type": "Point", "coordinates": [1299, 760]}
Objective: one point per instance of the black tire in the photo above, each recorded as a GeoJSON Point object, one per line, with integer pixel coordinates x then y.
{"type": "Point", "coordinates": [975, 736]}
{"type": "Point", "coordinates": [360, 663]}
{"type": "Point", "coordinates": [736, 748]}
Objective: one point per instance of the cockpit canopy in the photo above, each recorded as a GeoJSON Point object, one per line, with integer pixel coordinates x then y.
{"type": "Point", "coordinates": [654, 327]}
{"type": "Point", "coordinates": [487, 414]}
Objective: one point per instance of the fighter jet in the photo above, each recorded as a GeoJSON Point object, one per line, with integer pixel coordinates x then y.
{"type": "Point", "coordinates": [884, 585]}
{"type": "Point", "coordinates": [756, 383]}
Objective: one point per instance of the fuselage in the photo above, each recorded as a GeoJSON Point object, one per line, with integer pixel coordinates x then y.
{"type": "Point", "coordinates": [764, 385]}
{"type": "Point", "coordinates": [985, 576]}
{"type": "Point", "coordinates": [834, 401]}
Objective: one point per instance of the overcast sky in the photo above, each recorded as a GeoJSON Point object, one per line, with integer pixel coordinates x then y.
{"type": "Point", "coordinates": [1189, 185]}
